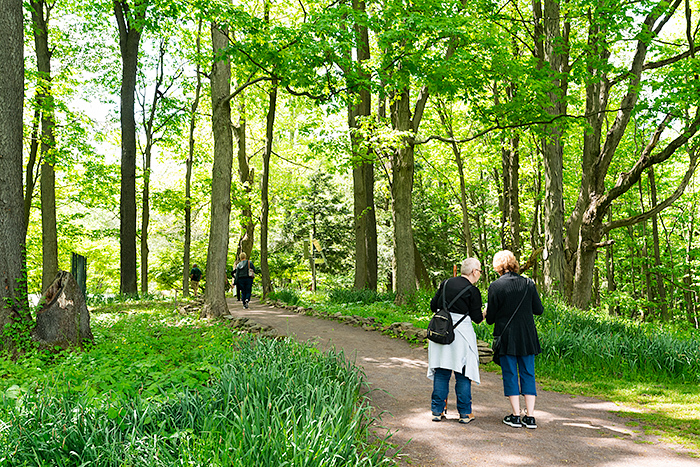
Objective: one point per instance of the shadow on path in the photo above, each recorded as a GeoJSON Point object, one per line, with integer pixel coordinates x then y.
{"type": "Point", "coordinates": [572, 430]}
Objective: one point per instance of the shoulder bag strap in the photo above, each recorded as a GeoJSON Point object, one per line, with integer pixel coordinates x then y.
{"type": "Point", "coordinates": [518, 307]}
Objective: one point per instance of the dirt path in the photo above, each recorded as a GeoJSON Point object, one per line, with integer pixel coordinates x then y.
{"type": "Point", "coordinates": [572, 430]}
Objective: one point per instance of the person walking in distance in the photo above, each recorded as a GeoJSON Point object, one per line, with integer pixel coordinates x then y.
{"type": "Point", "coordinates": [245, 273]}
{"type": "Point", "coordinates": [195, 277]}
{"type": "Point", "coordinates": [463, 300]}
{"type": "Point", "coordinates": [512, 303]}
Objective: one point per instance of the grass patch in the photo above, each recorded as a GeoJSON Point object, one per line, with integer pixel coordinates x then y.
{"type": "Point", "coordinates": [161, 389]}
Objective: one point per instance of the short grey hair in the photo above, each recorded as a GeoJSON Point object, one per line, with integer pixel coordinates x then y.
{"type": "Point", "coordinates": [468, 266]}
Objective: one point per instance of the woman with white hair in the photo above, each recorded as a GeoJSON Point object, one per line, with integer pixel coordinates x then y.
{"type": "Point", "coordinates": [461, 357]}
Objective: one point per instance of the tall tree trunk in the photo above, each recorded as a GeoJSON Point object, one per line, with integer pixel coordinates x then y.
{"type": "Point", "coordinates": [457, 152]}
{"type": "Point", "coordinates": [188, 166]}
{"type": "Point", "coordinates": [510, 156]}
{"type": "Point", "coordinates": [363, 165]}
{"type": "Point", "coordinates": [402, 167]}
{"type": "Point", "coordinates": [13, 278]}
{"type": "Point", "coordinates": [644, 256]}
{"type": "Point", "coordinates": [689, 293]}
{"type": "Point", "coordinates": [610, 269]}
{"type": "Point", "coordinates": [247, 178]}
{"type": "Point", "coordinates": [552, 50]}
{"type": "Point", "coordinates": [660, 288]}
{"type": "Point", "coordinates": [149, 131]}
{"type": "Point", "coordinates": [265, 195]}
{"type": "Point", "coordinates": [49, 238]}
{"type": "Point", "coordinates": [536, 228]}
{"type": "Point", "coordinates": [145, 217]}
{"type": "Point", "coordinates": [32, 173]}
{"type": "Point", "coordinates": [597, 94]}
{"type": "Point", "coordinates": [421, 272]}
{"type": "Point", "coordinates": [130, 20]}
{"type": "Point", "coordinates": [217, 252]}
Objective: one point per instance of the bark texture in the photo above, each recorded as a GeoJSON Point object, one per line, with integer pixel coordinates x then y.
{"type": "Point", "coordinates": [13, 292]}
{"type": "Point", "coordinates": [49, 237]}
{"type": "Point", "coordinates": [246, 175]}
{"type": "Point", "coordinates": [510, 158]}
{"type": "Point", "coordinates": [64, 319]}
{"type": "Point", "coordinates": [188, 171]}
{"type": "Point", "coordinates": [552, 51]}
{"type": "Point", "coordinates": [365, 221]}
{"type": "Point", "coordinates": [265, 192]}
{"type": "Point", "coordinates": [217, 252]}
{"type": "Point", "coordinates": [402, 168]}
{"type": "Point", "coordinates": [130, 20]}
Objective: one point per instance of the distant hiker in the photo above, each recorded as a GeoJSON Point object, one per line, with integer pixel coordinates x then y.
{"type": "Point", "coordinates": [462, 355]}
{"type": "Point", "coordinates": [512, 303]}
{"type": "Point", "coordinates": [195, 277]}
{"type": "Point", "coordinates": [244, 274]}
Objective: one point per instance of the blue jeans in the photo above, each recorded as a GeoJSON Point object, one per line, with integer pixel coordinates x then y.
{"type": "Point", "coordinates": [523, 366]}
{"type": "Point", "coordinates": [246, 285]}
{"type": "Point", "coordinates": [441, 388]}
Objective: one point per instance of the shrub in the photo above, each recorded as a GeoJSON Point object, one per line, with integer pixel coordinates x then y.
{"type": "Point", "coordinates": [364, 296]}
{"type": "Point", "coordinates": [287, 296]}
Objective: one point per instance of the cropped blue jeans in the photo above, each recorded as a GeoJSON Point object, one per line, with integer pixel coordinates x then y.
{"type": "Point", "coordinates": [514, 368]}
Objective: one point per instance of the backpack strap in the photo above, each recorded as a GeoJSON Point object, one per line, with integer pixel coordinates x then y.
{"type": "Point", "coordinates": [454, 300]}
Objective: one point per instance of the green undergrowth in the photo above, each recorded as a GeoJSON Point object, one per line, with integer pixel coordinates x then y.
{"type": "Point", "coordinates": [158, 388]}
{"type": "Point", "coordinates": [652, 368]}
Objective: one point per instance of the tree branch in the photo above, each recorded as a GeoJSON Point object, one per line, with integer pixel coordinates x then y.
{"type": "Point", "coordinates": [242, 87]}
{"type": "Point", "coordinates": [692, 165]}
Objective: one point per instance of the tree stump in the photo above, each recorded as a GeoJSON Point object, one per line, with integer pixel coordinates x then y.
{"type": "Point", "coordinates": [63, 319]}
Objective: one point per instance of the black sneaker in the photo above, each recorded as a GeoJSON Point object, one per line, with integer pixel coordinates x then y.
{"type": "Point", "coordinates": [512, 420]}
{"type": "Point", "coordinates": [437, 418]}
{"type": "Point", "coordinates": [529, 422]}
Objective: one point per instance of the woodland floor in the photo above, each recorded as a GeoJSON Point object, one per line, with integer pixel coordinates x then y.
{"type": "Point", "coordinates": [572, 430]}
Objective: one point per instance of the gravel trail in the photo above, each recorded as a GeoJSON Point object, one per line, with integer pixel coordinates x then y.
{"type": "Point", "coordinates": [572, 430]}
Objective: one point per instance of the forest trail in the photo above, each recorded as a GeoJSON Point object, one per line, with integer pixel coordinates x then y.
{"type": "Point", "coordinates": [572, 430]}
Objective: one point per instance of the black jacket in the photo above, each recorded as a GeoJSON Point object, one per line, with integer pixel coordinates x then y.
{"type": "Point", "coordinates": [469, 302]}
{"type": "Point", "coordinates": [241, 271]}
{"type": "Point", "coordinates": [505, 293]}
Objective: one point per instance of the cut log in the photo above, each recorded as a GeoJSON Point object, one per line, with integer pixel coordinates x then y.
{"type": "Point", "coordinates": [63, 319]}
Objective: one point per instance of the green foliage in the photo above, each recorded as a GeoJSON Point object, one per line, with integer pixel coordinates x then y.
{"type": "Point", "coordinates": [141, 348]}
{"type": "Point", "coordinates": [319, 208]}
{"type": "Point", "coordinates": [588, 346]}
{"type": "Point", "coordinates": [364, 296]}
{"type": "Point", "coordinates": [289, 297]}
{"type": "Point", "coordinates": [162, 389]}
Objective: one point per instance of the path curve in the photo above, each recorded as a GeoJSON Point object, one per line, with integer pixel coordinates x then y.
{"type": "Point", "coordinates": [572, 430]}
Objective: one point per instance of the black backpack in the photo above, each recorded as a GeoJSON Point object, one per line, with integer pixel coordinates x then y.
{"type": "Point", "coordinates": [441, 329]}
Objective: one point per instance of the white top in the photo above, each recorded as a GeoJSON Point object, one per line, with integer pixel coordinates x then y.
{"type": "Point", "coordinates": [461, 356]}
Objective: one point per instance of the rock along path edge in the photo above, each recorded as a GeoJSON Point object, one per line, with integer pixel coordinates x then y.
{"type": "Point", "coordinates": [572, 430]}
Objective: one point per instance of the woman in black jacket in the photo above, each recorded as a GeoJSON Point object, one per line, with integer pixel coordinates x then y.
{"type": "Point", "coordinates": [512, 303]}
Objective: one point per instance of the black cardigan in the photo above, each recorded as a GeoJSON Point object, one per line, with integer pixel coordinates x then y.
{"type": "Point", "coordinates": [469, 302]}
{"type": "Point", "coordinates": [520, 337]}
